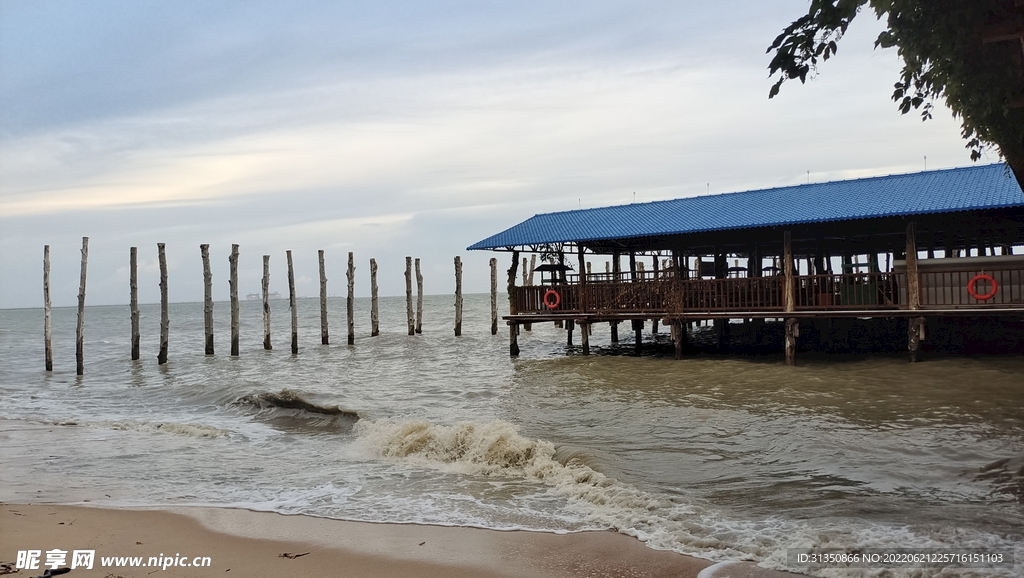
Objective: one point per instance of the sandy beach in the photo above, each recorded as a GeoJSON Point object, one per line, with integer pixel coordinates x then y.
{"type": "Point", "coordinates": [245, 543]}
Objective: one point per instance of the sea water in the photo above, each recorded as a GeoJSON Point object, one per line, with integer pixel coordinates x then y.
{"type": "Point", "coordinates": [726, 458]}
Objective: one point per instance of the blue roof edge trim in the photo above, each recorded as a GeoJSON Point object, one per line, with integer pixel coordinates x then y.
{"type": "Point", "coordinates": [926, 192]}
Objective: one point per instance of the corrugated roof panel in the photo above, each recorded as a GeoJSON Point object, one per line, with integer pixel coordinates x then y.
{"type": "Point", "coordinates": [950, 190]}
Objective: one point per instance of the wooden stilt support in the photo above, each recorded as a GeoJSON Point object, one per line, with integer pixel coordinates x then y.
{"type": "Point", "coordinates": [915, 335]}
{"type": "Point", "coordinates": [133, 282]}
{"type": "Point", "coordinates": [792, 332]}
{"type": "Point", "coordinates": [513, 340]}
{"type": "Point", "coordinates": [410, 316]}
{"type": "Point", "coordinates": [569, 324]}
{"type": "Point", "coordinates": [325, 337]}
{"type": "Point", "coordinates": [165, 321]}
{"type": "Point", "coordinates": [654, 322]}
{"type": "Point", "coordinates": [291, 304]}
{"type": "Point", "coordinates": [511, 287]}
{"type": "Point", "coordinates": [266, 303]}
{"type": "Point", "coordinates": [204, 251]}
{"type": "Point", "coordinates": [350, 299]}
{"type": "Point", "coordinates": [458, 296]}
{"type": "Point", "coordinates": [233, 290]}
{"type": "Point", "coordinates": [638, 335]}
{"type": "Point", "coordinates": [585, 336]}
{"type": "Point", "coordinates": [46, 306]}
{"type": "Point", "coordinates": [374, 311]}
{"type": "Point", "coordinates": [679, 338]}
{"type": "Point", "coordinates": [419, 298]}
{"type": "Point", "coordinates": [533, 265]}
{"type": "Point", "coordinates": [80, 330]}
{"type": "Point", "coordinates": [528, 281]}
{"type": "Point", "coordinates": [615, 331]}
{"type": "Point", "coordinates": [494, 296]}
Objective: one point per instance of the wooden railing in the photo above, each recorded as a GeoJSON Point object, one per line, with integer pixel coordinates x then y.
{"type": "Point", "coordinates": [601, 294]}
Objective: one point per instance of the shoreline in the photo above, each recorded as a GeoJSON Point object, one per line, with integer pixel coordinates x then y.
{"type": "Point", "coordinates": [251, 543]}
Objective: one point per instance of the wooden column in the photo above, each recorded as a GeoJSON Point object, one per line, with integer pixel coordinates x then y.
{"type": "Point", "coordinates": [233, 289]}
{"type": "Point", "coordinates": [458, 296]}
{"type": "Point", "coordinates": [583, 278]}
{"type": "Point", "coordinates": [204, 251]}
{"type": "Point", "coordinates": [325, 337]}
{"type": "Point", "coordinates": [533, 265]}
{"type": "Point", "coordinates": [80, 330]}
{"type": "Point", "coordinates": [266, 304]}
{"type": "Point", "coordinates": [494, 296]}
{"type": "Point", "coordinates": [350, 300]}
{"type": "Point", "coordinates": [419, 298]}
{"type": "Point", "coordinates": [679, 337]}
{"type": "Point", "coordinates": [46, 306]}
{"type": "Point", "coordinates": [511, 287]}
{"type": "Point", "coordinates": [569, 324]}
{"type": "Point", "coordinates": [915, 325]}
{"type": "Point", "coordinates": [654, 322]}
{"type": "Point", "coordinates": [792, 332]}
{"type": "Point", "coordinates": [291, 304]}
{"type": "Point", "coordinates": [789, 299]}
{"type": "Point", "coordinates": [513, 339]}
{"type": "Point", "coordinates": [133, 283]}
{"type": "Point", "coordinates": [165, 321]}
{"type": "Point", "coordinates": [632, 267]}
{"type": "Point", "coordinates": [585, 336]}
{"type": "Point", "coordinates": [410, 316]}
{"type": "Point", "coordinates": [638, 335]}
{"type": "Point", "coordinates": [374, 311]}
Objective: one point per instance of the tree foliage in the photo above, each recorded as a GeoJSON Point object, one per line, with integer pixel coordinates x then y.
{"type": "Point", "coordinates": [962, 51]}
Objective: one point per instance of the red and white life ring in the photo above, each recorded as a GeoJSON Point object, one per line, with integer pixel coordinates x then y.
{"type": "Point", "coordinates": [552, 303]}
{"type": "Point", "coordinates": [971, 287]}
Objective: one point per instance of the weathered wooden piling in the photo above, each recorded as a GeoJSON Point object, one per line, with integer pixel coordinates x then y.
{"type": "Point", "coordinates": [789, 299]}
{"type": "Point", "coordinates": [266, 304]}
{"type": "Point", "coordinates": [204, 251]}
{"type": "Point", "coordinates": [350, 300]}
{"type": "Point", "coordinates": [80, 330]}
{"type": "Point", "coordinates": [654, 322]}
{"type": "Point", "coordinates": [569, 324]}
{"type": "Point", "coordinates": [46, 306]}
{"type": "Point", "coordinates": [233, 289]}
{"type": "Point", "coordinates": [458, 296]}
{"type": "Point", "coordinates": [410, 316]}
{"type": "Point", "coordinates": [374, 311]}
{"type": "Point", "coordinates": [585, 336]}
{"type": "Point", "coordinates": [419, 298]}
{"type": "Point", "coordinates": [494, 296]}
{"type": "Point", "coordinates": [638, 335]}
{"type": "Point", "coordinates": [915, 325]}
{"type": "Point", "coordinates": [165, 321]}
{"type": "Point", "coordinates": [513, 331]}
{"type": "Point", "coordinates": [291, 304]}
{"type": "Point", "coordinates": [325, 337]}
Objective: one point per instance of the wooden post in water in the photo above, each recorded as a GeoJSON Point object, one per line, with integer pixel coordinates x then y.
{"type": "Point", "coordinates": [789, 299]}
{"type": "Point", "coordinates": [165, 321]}
{"type": "Point", "coordinates": [494, 296]}
{"type": "Point", "coordinates": [527, 281]}
{"type": "Point", "coordinates": [513, 330]}
{"type": "Point", "coordinates": [79, 333]}
{"type": "Point", "coordinates": [915, 325]}
{"type": "Point", "coordinates": [291, 304]}
{"type": "Point", "coordinates": [410, 317]}
{"type": "Point", "coordinates": [419, 298]}
{"type": "Point", "coordinates": [325, 337]}
{"type": "Point", "coordinates": [374, 312]}
{"type": "Point", "coordinates": [569, 325]}
{"type": "Point", "coordinates": [350, 301]}
{"type": "Point", "coordinates": [233, 289]}
{"type": "Point", "coordinates": [266, 304]}
{"type": "Point", "coordinates": [654, 322]}
{"type": "Point", "coordinates": [46, 306]}
{"type": "Point", "coordinates": [585, 335]}
{"type": "Point", "coordinates": [133, 287]}
{"type": "Point", "coordinates": [204, 250]}
{"type": "Point", "coordinates": [458, 296]}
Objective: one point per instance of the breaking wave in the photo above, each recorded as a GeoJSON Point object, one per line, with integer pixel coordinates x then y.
{"type": "Point", "coordinates": [183, 429]}
{"type": "Point", "coordinates": [663, 521]}
{"type": "Point", "coordinates": [290, 411]}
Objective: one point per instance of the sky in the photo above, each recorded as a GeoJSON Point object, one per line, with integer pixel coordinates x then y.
{"type": "Point", "coordinates": [397, 128]}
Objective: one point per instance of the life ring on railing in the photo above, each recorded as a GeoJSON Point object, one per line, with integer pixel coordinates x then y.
{"type": "Point", "coordinates": [552, 304]}
{"type": "Point", "coordinates": [982, 296]}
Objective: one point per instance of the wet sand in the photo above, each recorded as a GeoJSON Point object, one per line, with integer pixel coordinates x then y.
{"type": "Point", "coordinates": [261, 544]}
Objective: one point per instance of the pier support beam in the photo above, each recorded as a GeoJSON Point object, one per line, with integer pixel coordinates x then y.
{"type": "Point", "coordinates": [638, 332]}
{"type": "Point", "coordinates": [792, 332]}
{"type": "Point", "coordinates": [585, 336]}
{"type": "Point", "coordinates": [494, 296]}
{"type": "Point", "coordinates": [679, 337]}
{"type": "Point", "coordinates": [569, 324]}
{"type": "Point", "coordinates": [915, 335]}
{"type": "Point", "coordinates": [513, 339]}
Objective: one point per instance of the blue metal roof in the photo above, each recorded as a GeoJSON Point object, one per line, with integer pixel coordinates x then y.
{"type": "Point", "coordinates": [941, 191]}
